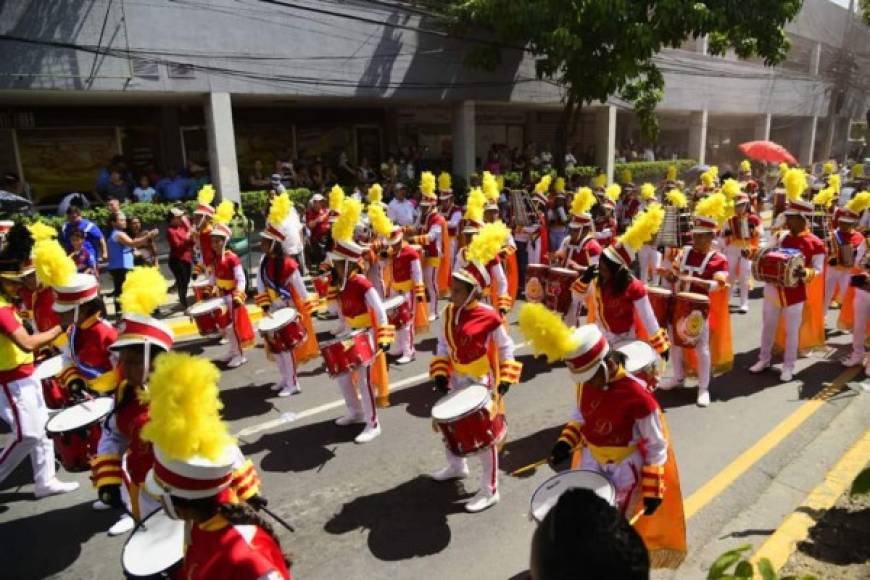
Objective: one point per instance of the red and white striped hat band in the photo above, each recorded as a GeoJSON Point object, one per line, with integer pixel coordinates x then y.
{"type": "Point", "coordinates": [844, 215]}
{"type": "Point", "coordinates": [491, 206]}
{"type": "Point", "coordinates": [741, 198]}
{"type": "Point", "coordinates": [346, 250]}
{"type": "Point", "coordinates": [136, 329]}
{"type": "Point", "coordinates": [428, 200]}
{"type": "Point", "coordinates": [396, 236]}
{"type": "Point", "coordinates": [195, 478]}
{"type": "Point", "coordinates": [799, 207]}
{"type": "Point", "coordinates": [222, 231]}
{"type": "Point", "coordinates": [273, 233]}
{"type": "Point", "coordinates": [620, 253]}
{"type": "Point", "coordinates": [445, 194]}
{"type": "Point", "coordinates": [702, 224]}
{"type": "Point", "coordinates": [83, 288]}
{"type": "Point", "coordinates": [540, 198]}
{"type": "Point", "coordinates": [591, 350]}
{"type": "Point", "coordinates": [204, 209]}
{"type": "Point", "coordinates": [5, 226]}
{"type": "Point", "coordinates": [475, 274]}
{"type": "Point", "coordinates": [471, 227]}
{"type": "Point", "coordinates": [580, 220]}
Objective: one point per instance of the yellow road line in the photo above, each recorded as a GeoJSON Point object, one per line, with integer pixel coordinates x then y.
{"type": "Point", "coordinates": [722, 480]}
{"type": "Point", "coordinates": [184, 327]}
{"type": "Point", "coordinates": [795, 528]}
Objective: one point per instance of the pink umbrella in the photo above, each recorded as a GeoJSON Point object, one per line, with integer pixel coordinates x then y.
{"type": "Point", "coordinates": [767, 151]}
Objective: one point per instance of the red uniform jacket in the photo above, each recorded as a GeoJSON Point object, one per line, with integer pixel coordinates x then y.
{"type": "Point", "coordinates": [810, 246]}
{"type": "Point", "coordinates": [40, 305]}
{"type": "Point", "coordinates": [838, 239]}
{"type": "Point", "coordinates": [448, 215]}
{"type": "Point", "coordinates": [271, 279]}
{"type": "Point", "coordinates": [468, 336]}
{"type": "Point", "coordinates": [219, 549]}
{"type": "Point", "coordinates": [224, 273]}
{"type": "Point", "coordinates": [605, 238]}
{"type": "Point", "coordinates": [706, 266]}
{"type": "Point", "coordinates": [580, 254]}
{"type": "Point", "coordinates": [742, 227]}
{"type": "Point", "coordinates": [617, 310]}
{"type": "Point", "coordinates": [402, 264]}
{"type": "Point", "coordinates": [609, 414]}
{"type": "Point", "coordinates": [130, 416]}
{"type": "Point", "coordinates": [89, 346]}
{"type": "Point", "coordinates": [352, 299]}
{"type": "Point", "coordinates": [205, 250]}
{"type": "Point", "coordinates": [433, 248]}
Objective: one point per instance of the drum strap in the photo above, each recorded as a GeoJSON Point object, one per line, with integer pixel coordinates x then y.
{"type": "Point", "coordinates": [695, 269]}
{"type": "Point", "coordinates": [270, 283]}
{"type": "Point", "coordinates": [89, 372]}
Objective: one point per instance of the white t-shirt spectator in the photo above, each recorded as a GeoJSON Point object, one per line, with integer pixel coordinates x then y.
{"type": "Point", "coordinates": [402, 212]}
{"type": "Point", "coordinates": [144, 193]}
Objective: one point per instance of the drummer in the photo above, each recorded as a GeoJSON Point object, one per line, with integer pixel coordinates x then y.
{"type": "Point", "coordinates": [499, 286]}
{"type": "Point", "coordinates": [789, 301]}
{"type": "Point", "coordinates": [742, 233]}
{"type": "Point", "coordinates": [202, 224]}
{"type": "Point", "coordinates": [634, 452]}
{"type": "Point", "coordinates": [461, 362]}
{"type": "Point", "coordinates": [605, 222]}
{"type": "Point", "coordinates": [649, 258]}
{"type": "Point", "coordinates": [538, 230]}
{"type": "Point", "coordinates": [451, 212]}
{"type": "Point", "coordinates": [846, 249]}
{"type": "Point", "coordinates": [580, 250]}
{"type": "Point", "coordinates": [434, 237]}
{"type": "Point", "coordinates": [280, 285]}
{"type": "Point", "coordinates": [708, 270]}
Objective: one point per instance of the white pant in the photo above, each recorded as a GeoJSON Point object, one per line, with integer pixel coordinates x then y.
{"type": "Point", "coordinates": [735, 258]}
{"type": "Point", "coordinates": [23, 408]}
{"type": "Point", "coordinates": [357, 385]}
{"type": "Point", "coordinates": [862, 315]}
{"type": "Point", "coordinates": [375, 275]}
{"type": "Point", "coordinates": [625, 477]}
{"type": "Point", "coordinates": [702, 348]}
{"type": "Point", "coordinates": [770, 316]}
{"type": "Point", "coordinates": [287, 367]}
{"type": "Point", "coordinates": [650, 261]}
{"type": "Point", "coordinates": [836, 279]}
{"type": "Point", "coordinates": [404, 344]}
{"type": "Point", "coordinates": [430, 277]}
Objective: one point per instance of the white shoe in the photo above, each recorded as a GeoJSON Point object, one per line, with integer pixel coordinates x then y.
{"type": "Point", "coordinates": [350, 419]}
{"type": "Point", "coordinates": [236, 362]}
{"type": "Point", "coordinates": [433, 317]}
{"type": "Point", "coordinates": [703, 398]}
{"type": "Point", "coordinates": [449, 473]}
{"type": "Point", "coordinates": [744, 308]}
{"type": "Point", "coordinates": [55, 487]}
{"type": "Point", "coordinates": [289, 390]}
{"type": "Point", "coordinates": [786, 374]}
{"type": "Point", "coordinates": [279, 386]}
{"type": "Point", "coordinates": [481, 501]}
{"type": "Point", "coordinates": [759, 367]}
{"type": "Point", "coordinates": [100, 506]}
{"type": "Point", "coordinates": [224, 340]}
{"type": "Point", "coordinates": [122, 526]}
{"type": "Point", "coordinates": [853, 360]}
{"type": "Point", "coordinates": [225, 358]}
{"type": "Point", "coordinates": [368, 434]}
{"type": "Point", "coordinates": [404, 360]}
{"type": "Point", "coordinates": [671, 383]}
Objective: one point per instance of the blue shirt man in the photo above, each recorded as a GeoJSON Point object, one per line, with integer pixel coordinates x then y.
{"type": "Point", "coordinates": [175, 189]}
{"type": "Point", "coordinates": [94, 240]}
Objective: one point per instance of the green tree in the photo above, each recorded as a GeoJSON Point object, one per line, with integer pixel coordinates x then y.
{"type": "Point", "coordinates": [595, 49]}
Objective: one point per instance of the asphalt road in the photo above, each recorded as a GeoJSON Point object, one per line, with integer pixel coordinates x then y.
{"type": "Point", "coordinates": [370, 511]}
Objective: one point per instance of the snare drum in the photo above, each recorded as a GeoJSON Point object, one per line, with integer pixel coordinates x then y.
{"type": "Point", "coordinates": [777, 266]}
{"type": "Point", "coordinates": [398, 311]}
{"type": "Point", "coordinates": [469, 420]}
{"type": "Point", "coordinates": [536, 280]}
{"type": "Point", "coordinates": [201, 289]}
{"type": "Point", "coordinates": [558, 289]}
{"type": "Point", "coordinates": [690, 314]}
{"type": "Point", "coordinates": [76, 432]}
{"type": "Point", "coordinates": [347, 353]}
{"type": "Point", "coordinates": [283, 329]}
{"type": "Point", "coordinates": [52, 391]}
{"type": "Point", "coordinates": [661, 300]}
{"type": "Point", "coordinates": [155, 547]}
{"type": "Point", "coordinates": [548, 493]}
{"type": "Point", "coordinates": [321, 285]}
{"type": "Point", "coordinates": [641, 361]}
{"type": "Point", "coordinates": [211, 317]}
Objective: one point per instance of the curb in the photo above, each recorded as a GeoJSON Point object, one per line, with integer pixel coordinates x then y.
{"type": "Point", "coordinates": [795, 527]}
{"type": "Point", "coordinates": [184, 328]}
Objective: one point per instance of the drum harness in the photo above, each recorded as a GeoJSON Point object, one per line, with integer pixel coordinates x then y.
{"type": "Point", "coordinates": [696, 271]}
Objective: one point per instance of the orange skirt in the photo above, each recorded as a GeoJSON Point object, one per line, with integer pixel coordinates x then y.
{"type": "Point", "coordinates": [812, 332]}
{"type": "Point", "coordinates": [242, 326]}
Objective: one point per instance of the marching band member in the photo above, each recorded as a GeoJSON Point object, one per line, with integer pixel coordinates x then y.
{"type": "Point", "coordinates": [618, 298]}
{"type": "Point", "coordinates": [228, 278]}
{"type": "Point", "coordinates": [580, 250]}
{"type": "Point", "coordinates": [451, 212]}
{"type": "Point", "coordinates": [677, 199]}
{"type": "Point", "coordinates": [361, 308]}
{"type": "Point", "coordinates": [846, 249]}
{"type": "Point", "coordinates": [606, 227]}
{"type": "Point", "coordinates": [538, 231]}
{"type": "Point", "coordinates": [742, 233]}
{"type": "Point", "coordinates": [707, 270]}
{"type": "Point", "coordinates": [800, 322]}
{"type": "Point", "coordinates": [37, 298]}
{"type": "Point", "coordinates": [474, 348]}
{"type": "Point", "coordinates": [557, 213]}
{"type": "Point", "coordinates": [628, 204]}
{"type": "Point", "coordinates": [706, 185]}
{"type": "Point", "coordinates": [279, 285]}
{"type": "Point", "coordinates": [497, 294]}
{"type": "Point", "coordinates": [649, 258]}
{"type": "Point", "coordinates": [435, 240]}
{"type": "Point", "coordinates": [854, 314]}
{"type": "Point", "coordinates": [199, 475]}
{"type": "Point", "coordinates": [202, 223]}
{"type": "Point", "coordinates": [380, 267]}
{"type": "Point", "coordinates": [670, 181]}
{"type": "Point", "coordinates": [634, 451]}
{"type": "Point", "coordinates": [749, 186]}
{"type": "Point", "coordinates": [508, 255]}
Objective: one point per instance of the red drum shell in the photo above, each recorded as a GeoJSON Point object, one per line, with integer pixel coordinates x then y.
{"type": "Point", "coordinates": [284, 335]}
{"type": "Point", "coordinates": [347, 353]}
{"type": "Point", "coordinates": [777, 265]}
{"type": "Point", "coordinates": [75, 449]}
{"type": "Point", "coordinates": [687, 309]}
{"type": "Point", "coordinates": [201, 290]}
{"type": "Point", "coordinates": [469, 432]}
{"type": "Point", "coordinates": [211, 317]}
{"type": "Point", "coordinates": [661, 300]}
{"type": "Point", "coordinates": [559, 280]}
{"type": "Point", "coordinates": [321, 284]}
{"type": "Point", "coordinates": [54, 394]}
{"type": "Point", "coordinates": [536, 282]}
{"type": "Point", "coordinates": [401, 315]}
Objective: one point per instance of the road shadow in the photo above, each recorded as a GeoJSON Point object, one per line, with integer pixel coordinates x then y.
{"type": "Point", "coordinates": [839, 536]}
{"type": "Point", "coordinates": [47, 543]}
{"type": "Point", "coordinates": [407, 521]}
{"type": "Point", "coordinates": [417, 400]}
{"type": "Point", "coordinates": [518, 453]}
{"type": "Point", "coordinates": [524, 575]}
{"type": "Point", "coordinates": [535, 365]}
{"type": "Point", "coordinates": [302, 448]}
{"type": "Point", "coordinates": [246, 401]}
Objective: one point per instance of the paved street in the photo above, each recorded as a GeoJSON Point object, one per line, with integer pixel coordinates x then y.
{"type": "Point", "coordinates": [370, 511]}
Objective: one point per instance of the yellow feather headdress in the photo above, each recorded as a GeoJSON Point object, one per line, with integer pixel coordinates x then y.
{"type": "Point", "coordinates": [279, 209]}
{"type": "Point", "coordinates": [712, 206]}
{"type": "Point", "coordinates": [224, 212]}
{"type": "Point", "coordinates": [783, 169]}
{"type": "Point", "coordinates": [857, 171]}
{"type": "Point", "coordinates": [745, 166]}
{"type": "Point", "coordinates": [795, 181]}
{"type": "Point", "coordinates": [206, 194]}
{"type": "Point", "coordinates": [184, 408]}
{"type": "Point", "coordinates": [427, 184]}
{"type": "Point", "coordinates": [677, 198]}
{"type": "Point", "coordinates": [824, 197]}
{"type": "Point", "coordinates": [489, 186]}
{"type": "Point", "coordinates": [647, 191]}
{"type": "Point", "coordinates": [143, 291]}
{"type": "Point", "coordinates": [499, 180]}
{"type": "Point", "coordinates": [543, 186]}
{"type": "Point", "coordinates": [583, 201]}
{"type": "Point", "coordinates": [834, 182]}
{"type": "Point", "coordinates": [714, 169]}
{"type": "Point", "coordinates": [559, 186]}
{"type": "Point", "coordinates": [613, 192]}
{"type": "Point", "coordinates": [707, 179]}
{"type": "Point", "coordinates": [474, 205]}
{"type": "Point", "coordinates": [336, 197]}
{"type": "Point", "coordinates": [375, 194]}
{"type": "Point", "coordinates": [644, 227]}
{"type": "Point", "coordinates": [626, 176]}
{"type": "Point", "coordinates": [487, 243]}
{"type": "Point", "coordinates": [828, 167]}
{"type": "Point", "coordinates": [546, 332]}
{"type": "Point", "coordinates": [599, 180]}
{"type": "Point", "coordinates": [445, 182]}
{"type": "Point", "coordinates": [381, 224]}
{"type": "Point", "coordinates": [53, 266]}
{"type": "Point", "coordinates": [672, 173]}
{"type": "Point", "coordinates": [40, 231]}
{"type": "Point", "coordinates": [859, 203]}
{"type": "Point", "coordinates": [342, 229]}
{"type": "Point", "coordinates": [730, 188]}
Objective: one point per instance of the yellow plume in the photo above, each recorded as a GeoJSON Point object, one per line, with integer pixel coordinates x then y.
{"type": "Point", "coordinates": [613, 192]}
{"type": "Point", "coordinates": [543, 186]}
{"type": "Point", "coordinates": [487, 243]}
{"type": "Point", "coordinates": [599, 180]}
{"type": "Point", "coordinates": [745, 166]}
{"type": "Point", "coordinates": [279, 209]}
{"type": "Point", "coordinates": [672, 173]}
{"type": "Point", "coordinates": [444, 181]}
{"type": "Point", "coordinates": [795, 181]}
{"type": "Point", "coordinates": [224, 212]}
{"type": "Point", "coordinates": [184, 408]}
{"type": "Point", "coordinates": [857, 171]}
{"type": "Point", "coordinates": [834, 182]}
{"type": "Point", "coordinates": [626, 176]}
{"type": "Point", "coordinates": [712, 206]}
{"type": "Point", "coordinates": [859, 203]}
{"type": "Point", "coordinates": [427, 183]}
{"type": "Point", "coordinates": [559, 185]}
{"type": "Point", "coordinates": [644, 227]}
{"type": "Point", "coordinates": [828, 168]}
{"type": "Point", "coordinates": [647, 191]}
{"type": "Point", "coordinates": [474, 205]}
{"type": "Point", "coordinates": [707, 179]}
{"type": "Point", "coordinates": [499, 180]}
{"type": "Point", "coordinates": [583, 201]}
{"type": "Point", "coordinates": [677, 198]}
{"type": "Point", "coordinates": [205, 195]}
{"type": "Point", "coordinates": [730, 188]}
{"type": "Point", "coordinates": [783, 169]}
{"type": "Point", "coordinates": [379, 220]}
{"type": "Point", "coordinates": [376, 193]}
{"type": "Point", "coordinates": [824, 197]}
{"type": "Point", "coordinates": [53, 266]}
{"type": "Point", "coordinates": [342, 229]}
{"type": "Point", "coordinates": [143, 291]}
{"type": "Point", "coordinates": [40, 231]}
{"type": "Point", "coordinates": [489, 186]}
{"type": "Point", "coordinates": [714, 169]}
{"type": "Point", "coordinates": [546, 332]}
{"type": "Point", "coordinates": [728, 212]}
{"type": "Point", "coordinates": [336, 197]}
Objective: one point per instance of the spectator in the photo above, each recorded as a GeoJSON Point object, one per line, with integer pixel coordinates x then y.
{"type": "Point", "coordinates": [198, 177]}
{"type": "Point", "coordinates": [147, 254]}
{"type": "Point", "coordinates": [365, 174]}
{"type": "Point", "coordinates": [181, 240]}
{"type": "Point", "coordinates": [121, 248]}
{"type": "Point", "coordinates": [317, 175]}
{"type": "Point", "coordinates": [570, 160]}
{"type": "Point", "coordinates": [85, 261]}
{"type": "Point", "coordinates": [71, 199]}
{"type": "Point", "coordinates": [176, 188]}
{"type": "Point", "coordinates": [144, 192]}
{"type": "Point", "coordinates": [345, 172]}
{"type": "Point", "coordinates": [317, 221]}
{"type": "Point", "coordinates": [94, 240]}
{"type": "Point", "coordinates": [303, 178]}
{"type": "Point", "coordinates": [257, 180]}
{"type": "Point", "coordinates": [117, 187]}
{"type": "Point", "coordinates": [585, 537]}
{"type": "Point", "coordinates": [401, 210]}
{"type": "Point", "coordinates": [276, 184]}
{"type": "Point", "coordinates": [241, 227]}
{"type": "Point", "coordinates": [102, 184]}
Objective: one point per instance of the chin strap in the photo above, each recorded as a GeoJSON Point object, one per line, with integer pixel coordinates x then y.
{"type": "Point", "coordinates": [146, 362]}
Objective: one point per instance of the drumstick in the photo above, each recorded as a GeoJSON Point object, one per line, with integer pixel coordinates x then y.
{"type": "Point", "coordinates": [530, 466]}
{"type": "Point", "coordinates": [278, 519]}
{"type": "Point", "coordinates": [634, 518]}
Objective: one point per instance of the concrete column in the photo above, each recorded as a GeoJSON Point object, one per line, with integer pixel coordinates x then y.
{"type": "Point", "coordinates": [828, 141]}
{"type": "Point", "coordinates": [605, 140]}
{"type": "Point", "coordinates": [222, 145]}
{"type": "Point", "coordinates": [170, 138]}
{"type": "Point", "coordinates": [701, 44]}
{"type": "Point", "coordinates": [463, 139]}
{"type": "Point", "coordinates": [762, 127]}
{"type": "Point", "coordinates": [808, 140]}
{"type": "Point", "coordinates": [815, 59]}
{"type": "Point", "coordinates": [698, 135]}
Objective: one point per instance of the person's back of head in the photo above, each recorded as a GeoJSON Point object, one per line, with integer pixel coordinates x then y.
{"type": "Point", "coordinates": [583, 537]}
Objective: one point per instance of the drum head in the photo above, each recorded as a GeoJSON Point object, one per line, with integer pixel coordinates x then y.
{"type": "Point", "coordinates": [155, 545]}
{"type": "Point", "coordinates": [638, 354]}
{"type": "Point", "coordinates": [658, 291]}
{"type": "Point", "coordinates": [80, 415]}
{"type": "Point", "coordinates": [549, 492]}
{"type": "Point", "coordinates": [393, 303]}
{"type": "Point", "coordinates": [460, 402]}
{"type": "Point", "coordinates": [341, 338]}
{"type": "Point", "coordinates": [49, 368]}
{"type": "Point", "coordinates": [564, 272]}
{"type": "Point", "coordinates": [278, 319]}
{"type": "Point", "coordinates": [206, 306]}
{"type": "Point", "coordinates": [204, 283]}
{"type": "Point", "coordinates": [693, 297]}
